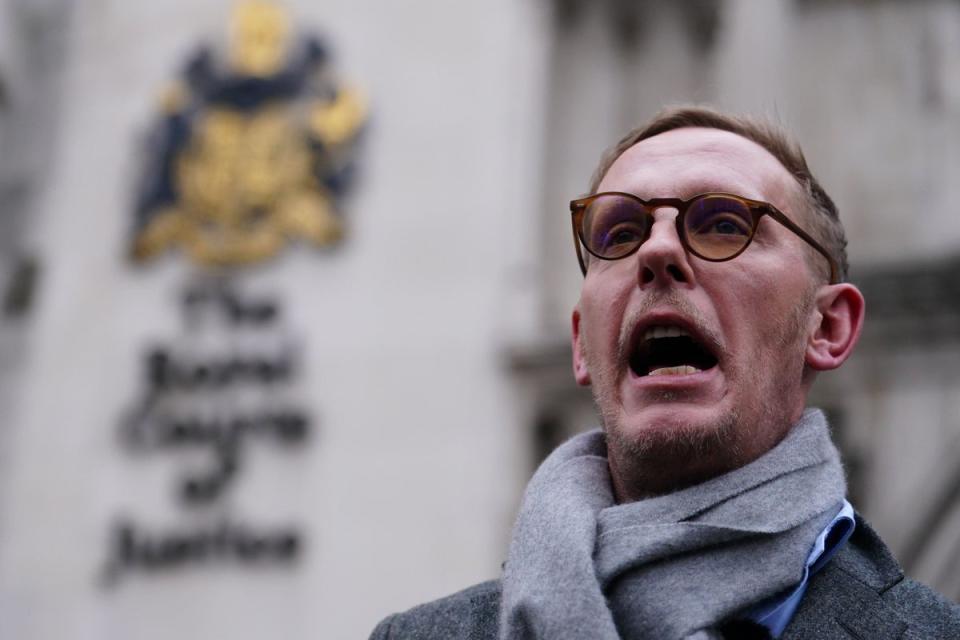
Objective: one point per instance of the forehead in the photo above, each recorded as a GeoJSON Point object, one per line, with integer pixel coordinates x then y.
{"type": "Point", "coordinates": [685, 162]}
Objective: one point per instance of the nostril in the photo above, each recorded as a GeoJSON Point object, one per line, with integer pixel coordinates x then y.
{"type": "Point", "coordinates": [671, 271]}
{"type": "Point", "coordinates": [677, 274]}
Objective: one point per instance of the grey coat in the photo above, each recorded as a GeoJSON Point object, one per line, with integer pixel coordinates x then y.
{"type": "Point", "coordinates": [862, 594]}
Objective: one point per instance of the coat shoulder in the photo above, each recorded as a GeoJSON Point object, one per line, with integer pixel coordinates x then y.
{"type": "Point", "coordinates": [471, 614]}
{"type": "Point", "coordinates": [926, 613]}
{"type": "Point", "coordinates": [863, 594]}
{"type": "Point", "coordinates": [923, 612]}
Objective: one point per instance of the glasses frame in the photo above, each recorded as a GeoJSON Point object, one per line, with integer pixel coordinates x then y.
{"type": "Point", "coordinates": [757, 208]}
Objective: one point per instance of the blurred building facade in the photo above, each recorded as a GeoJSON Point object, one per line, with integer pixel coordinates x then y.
{"type": "Point", "coordinates": [431, 345]}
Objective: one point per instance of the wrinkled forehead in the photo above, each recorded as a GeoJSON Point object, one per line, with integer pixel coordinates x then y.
{"type": "Point", "coordinates": [688, 161]}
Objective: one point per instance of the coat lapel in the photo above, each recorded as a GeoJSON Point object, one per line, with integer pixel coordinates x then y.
{"type": "Point", "coordinates": [844, 600]}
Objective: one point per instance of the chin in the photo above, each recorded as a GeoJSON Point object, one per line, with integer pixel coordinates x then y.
{"type": "Point", "coordinates": [693, 437]}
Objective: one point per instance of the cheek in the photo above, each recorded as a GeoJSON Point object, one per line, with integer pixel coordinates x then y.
{"type": "Point", "coordinates": [779, 331]}
{"type": "Point", "coordinates": [596, 327]}
{"type": "Point", "coordinates": [753, 320]}
{"type": "Point", "coordinates": [602, 305]}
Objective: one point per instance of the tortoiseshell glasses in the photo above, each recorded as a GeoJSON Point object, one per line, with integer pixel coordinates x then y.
{"type": "Point", "coordinates": [712, 226]}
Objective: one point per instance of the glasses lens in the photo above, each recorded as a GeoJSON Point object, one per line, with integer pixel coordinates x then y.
{"type": "Point", "coordinates": [717, 227]}
{"type": "Point", "coordinates": [613, 226]}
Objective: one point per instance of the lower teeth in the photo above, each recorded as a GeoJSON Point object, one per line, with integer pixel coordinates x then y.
{"type": "Point", "coordinates": [674, 371]}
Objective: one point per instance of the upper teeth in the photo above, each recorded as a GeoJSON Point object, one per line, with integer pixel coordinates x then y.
{"type": "Point", "coordinates": [664, 332]}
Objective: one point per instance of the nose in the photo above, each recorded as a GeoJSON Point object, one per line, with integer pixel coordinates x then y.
{"type": "Point", "coordinates": [662, 260]}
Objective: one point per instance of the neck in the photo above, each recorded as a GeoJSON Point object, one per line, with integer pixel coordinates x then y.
{"type": "Point", "coordinates": [638, 478]}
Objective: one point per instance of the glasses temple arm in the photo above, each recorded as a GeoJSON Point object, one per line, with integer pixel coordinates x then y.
{"type": "Point", "coordinates": [792, 226]}
{"type": "Point", "coordinates": [576, 211]}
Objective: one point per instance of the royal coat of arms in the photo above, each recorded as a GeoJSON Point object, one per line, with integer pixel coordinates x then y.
{"type": "Point", "coordinates": [255, 148]}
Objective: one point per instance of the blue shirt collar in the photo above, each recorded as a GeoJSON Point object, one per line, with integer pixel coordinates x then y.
{"type": "Point", "coordinates": [775, 614]}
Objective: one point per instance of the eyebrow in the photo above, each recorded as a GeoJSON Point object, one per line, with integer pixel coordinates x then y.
{"type": "Point", "coordinates": [688, 193]}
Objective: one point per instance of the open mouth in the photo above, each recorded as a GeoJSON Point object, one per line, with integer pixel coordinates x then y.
{"type": "Point", "coordinates": [670, 351]}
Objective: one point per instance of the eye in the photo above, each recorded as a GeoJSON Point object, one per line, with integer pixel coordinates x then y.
{"type": "Point", "coordinates": [624, 233]}
{"type": "Point", "coordinates": [719, 216]}
{"type": "Point", "coordinates": [718, 227]}
{"type": "Point", "coordinates": [725, 224]}
{"type": "Point", "coordinates": [613, 226]}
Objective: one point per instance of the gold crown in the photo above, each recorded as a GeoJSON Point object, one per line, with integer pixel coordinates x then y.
{"type": "Point", "coordinates": [259, 37]}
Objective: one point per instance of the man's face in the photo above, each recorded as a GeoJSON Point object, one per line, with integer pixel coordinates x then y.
{"type": "Point", "coordinates": [743, 324]}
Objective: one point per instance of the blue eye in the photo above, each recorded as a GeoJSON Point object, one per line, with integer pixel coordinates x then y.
{"type": "Point", "coordinates": [621, 234]}
{"type": "Point", "coordinates": [718, 216]}
{"type": "Point", "coordinates": [718, 227]}
{"type": "Point", "coordinates": [614, 225]}
{"type": "Point", "coordinates": [726, 226]}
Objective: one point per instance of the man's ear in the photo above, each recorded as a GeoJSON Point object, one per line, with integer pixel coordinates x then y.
{"type": "Point", "coordinates": [580, 372]}
{"type": "Point", "coordinates": [840, 310]}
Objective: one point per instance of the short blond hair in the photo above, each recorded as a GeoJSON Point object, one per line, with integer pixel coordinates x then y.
{"type": "Point", "coordinates": [823, 217]}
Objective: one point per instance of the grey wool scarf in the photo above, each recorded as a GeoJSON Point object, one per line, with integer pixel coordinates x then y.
{"type": "Point", "coordinates": [670, 567]}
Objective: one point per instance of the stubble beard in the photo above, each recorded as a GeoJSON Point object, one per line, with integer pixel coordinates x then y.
{"type": "Point", "coordinates": [660, 457]}
{"type": "Point", "coordinates": [667, 456]}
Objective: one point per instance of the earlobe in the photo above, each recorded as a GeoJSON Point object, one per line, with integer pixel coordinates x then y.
{"type": "Point", "coordinates": [840, 310]}
{"type": "Point", "coordinates": [580, 372]}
